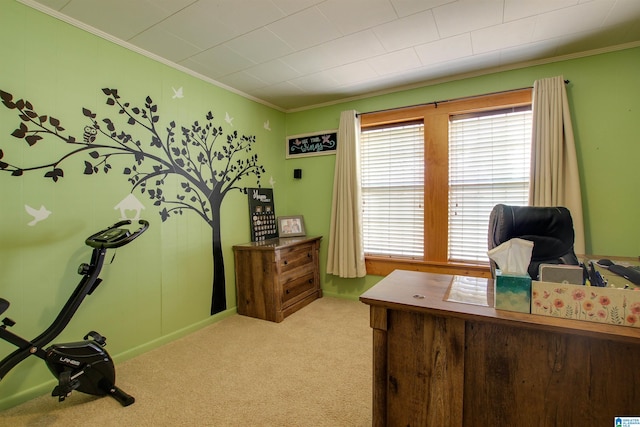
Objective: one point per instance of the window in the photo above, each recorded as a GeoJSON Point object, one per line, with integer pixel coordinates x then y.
{"type": "Point", "coordinates": [393, 190]}
{"type": "Point", "coordinates": [489, 162]}
{"type": "Point", "coordinates": [432, 173]}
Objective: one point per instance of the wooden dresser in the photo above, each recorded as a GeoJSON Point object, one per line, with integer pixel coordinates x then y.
{"type": "Point", "coordinates": [277, 277]}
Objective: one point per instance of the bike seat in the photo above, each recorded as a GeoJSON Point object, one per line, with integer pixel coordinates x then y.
{"type": "Point", "coordinates": [4, 304]}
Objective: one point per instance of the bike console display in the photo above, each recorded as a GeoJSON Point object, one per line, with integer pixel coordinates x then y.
{"type": "Point", "coordinates": [116, 236]}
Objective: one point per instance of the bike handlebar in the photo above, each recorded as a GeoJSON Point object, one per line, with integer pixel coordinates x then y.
{"type": "Point", "coordinates": [115, 236]}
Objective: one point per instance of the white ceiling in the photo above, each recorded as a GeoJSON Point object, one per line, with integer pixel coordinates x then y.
{"type": "Point", "coordinates": [293, 54]}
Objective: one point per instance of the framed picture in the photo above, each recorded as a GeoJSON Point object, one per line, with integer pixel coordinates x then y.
{"type": "Point", "coordinates": [291, 226]}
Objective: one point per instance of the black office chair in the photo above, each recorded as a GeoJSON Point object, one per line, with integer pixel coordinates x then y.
{"type": "Point", "coordinates": [549, 228]}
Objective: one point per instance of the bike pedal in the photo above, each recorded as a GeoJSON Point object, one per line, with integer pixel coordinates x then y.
{"type": "Point", "coordinates": [66, 385]}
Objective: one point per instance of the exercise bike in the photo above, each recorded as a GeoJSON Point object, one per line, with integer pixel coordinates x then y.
{"type": "Point", "coordinates": [85, 365]}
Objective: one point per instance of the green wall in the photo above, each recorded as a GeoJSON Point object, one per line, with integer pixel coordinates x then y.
{"type": "Point", "coordinates": [604, 96]}
{"type": "Point", "coordinates": [159, 287]}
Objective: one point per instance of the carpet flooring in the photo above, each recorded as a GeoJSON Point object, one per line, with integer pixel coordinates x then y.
{"type": "Point", "coordinates": [313, 369]}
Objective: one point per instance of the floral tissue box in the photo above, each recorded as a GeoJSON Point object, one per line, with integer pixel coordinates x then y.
{"type": "Point", "coordinates": [593, 304]}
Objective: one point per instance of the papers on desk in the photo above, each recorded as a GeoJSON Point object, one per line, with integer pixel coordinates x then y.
{"type": "Point", "coordinates": [468, 290]}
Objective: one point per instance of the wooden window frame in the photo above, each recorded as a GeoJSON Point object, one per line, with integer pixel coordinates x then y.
{"type": "Point", "coordinates": [436, 139]}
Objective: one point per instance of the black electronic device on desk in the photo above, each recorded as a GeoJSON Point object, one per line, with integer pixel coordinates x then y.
{"type": "Point", "coordinates": [631, 274]}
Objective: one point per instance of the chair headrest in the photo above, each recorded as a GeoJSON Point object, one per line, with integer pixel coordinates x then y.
{"type": "Point", "coordinates": [549, 228]}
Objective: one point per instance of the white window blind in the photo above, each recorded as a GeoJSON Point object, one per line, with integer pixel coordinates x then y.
{"type": "Point", "coordinates": [392, 168]}
{"type": "Point", "coordinates": [489, 163]}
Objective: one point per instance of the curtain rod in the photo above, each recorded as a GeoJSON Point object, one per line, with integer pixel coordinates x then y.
{"type": "Point", "coordinates": [448, 100]}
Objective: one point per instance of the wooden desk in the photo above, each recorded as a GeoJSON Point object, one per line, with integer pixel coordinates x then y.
{"type": "Point", "coordinates": [443, 363]}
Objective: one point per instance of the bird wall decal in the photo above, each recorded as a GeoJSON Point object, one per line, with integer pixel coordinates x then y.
{"type": "Point", "coordinates": [37, 214]}
{"type": "Point", "coordinates": [177, 93]}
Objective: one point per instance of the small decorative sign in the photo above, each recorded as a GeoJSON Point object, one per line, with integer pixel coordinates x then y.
{"type": "Point", "coordinates": [312, 144]}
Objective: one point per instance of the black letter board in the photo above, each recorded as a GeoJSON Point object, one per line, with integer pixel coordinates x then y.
{"type": "Point", "coordinates": [262, 214]}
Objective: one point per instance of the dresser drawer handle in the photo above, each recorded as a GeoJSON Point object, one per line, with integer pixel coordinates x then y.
{"type": "Point", "coordinates": [288, 291]}
{"type": "Point", "coordinates": [286, 262]}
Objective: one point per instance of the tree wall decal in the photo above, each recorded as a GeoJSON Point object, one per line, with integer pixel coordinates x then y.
{"type": "Point", "coordinates": [207, 162]}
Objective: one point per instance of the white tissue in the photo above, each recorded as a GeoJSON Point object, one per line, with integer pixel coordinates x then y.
{"type": "Point", "coordinates": [512, 256]}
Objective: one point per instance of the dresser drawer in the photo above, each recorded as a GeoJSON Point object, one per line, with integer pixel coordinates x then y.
{"type": "Point", "coordinates": [294, 258]}
{"type": "Point", "coordinates": [297, 287]}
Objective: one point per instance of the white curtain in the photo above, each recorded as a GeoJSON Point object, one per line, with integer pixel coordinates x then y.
{"type": "Point", "coordinates": [346, 247]}
{"type": "Point", "coordinates": [555, 179]}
